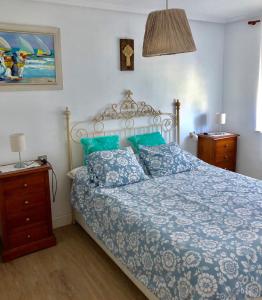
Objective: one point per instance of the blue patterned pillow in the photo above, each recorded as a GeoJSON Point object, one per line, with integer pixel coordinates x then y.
{"type": "Point", "coordinates": [141, 162]}
{"type": "Point", "coordinates": [165, 160]}
{"type": "Point", "coordinates": [115, 168]}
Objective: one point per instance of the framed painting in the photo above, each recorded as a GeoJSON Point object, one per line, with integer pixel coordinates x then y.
{"type": "Point", "coordinates": [30, 58]}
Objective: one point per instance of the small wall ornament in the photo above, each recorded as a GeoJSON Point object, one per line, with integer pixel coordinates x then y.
{"type": "Point", "coordinates": [127, 54]}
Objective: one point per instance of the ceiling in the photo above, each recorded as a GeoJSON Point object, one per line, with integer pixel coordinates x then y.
{"type": "Point", "coordinates": [220, 11]}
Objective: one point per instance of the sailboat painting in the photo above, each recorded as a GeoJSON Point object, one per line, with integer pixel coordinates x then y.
{"type": "Point", "coordinates": [29, 58]}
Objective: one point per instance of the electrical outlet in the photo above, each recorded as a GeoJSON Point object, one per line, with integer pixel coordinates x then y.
{"type": "Point", "coordinates": [42, 157]}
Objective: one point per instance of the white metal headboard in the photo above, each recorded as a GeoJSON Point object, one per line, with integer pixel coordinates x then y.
{"type": "Point", "coordinates": [131, 117]}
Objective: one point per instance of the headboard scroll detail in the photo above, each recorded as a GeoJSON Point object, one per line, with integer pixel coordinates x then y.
{"type": "Point", "coordinates": [126, 111]}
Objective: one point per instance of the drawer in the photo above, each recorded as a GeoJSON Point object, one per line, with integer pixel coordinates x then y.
{"type": "Point", "coordinates": [23, 184]}
{"type": "Point", "coordinates": [23, 203]}
{"type": "Point", "coordinates": [28, 235]}
{"type": "Point", "coordinates": [228, 165]}
{"type": "Point", "coordinates": [27, 218]}
{"type": "Point", "coordinates": [226, 145]}
{"type": "Point", "coordinates": [225, 156]}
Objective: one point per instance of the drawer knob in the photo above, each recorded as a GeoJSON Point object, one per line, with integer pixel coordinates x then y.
{"type": "Point", "coordinates": [29, 236]}
{"type": "Point", "coordinates": [226, 145]}
{"type": "Point", "coordinates": [26, 202]}
{"type": "Point", "coordinates": [25, 185]}
{"type": "Point", "coordinates": [226, 157]}
{"type": "Point", "coordinates": [27, 219]}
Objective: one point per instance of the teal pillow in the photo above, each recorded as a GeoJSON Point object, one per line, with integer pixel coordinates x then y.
{"type": "Point", "coordinates": [99, 143]}
{"type": "Point", "coordinates": [147, 139]}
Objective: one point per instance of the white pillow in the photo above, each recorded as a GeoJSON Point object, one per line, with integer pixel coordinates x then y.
{"type": "Point", "coordinates": [129, 149]}
{"type": "Point", "coordinates": [71, 174]}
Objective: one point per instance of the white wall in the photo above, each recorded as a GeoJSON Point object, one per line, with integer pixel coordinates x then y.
{"type": "Point", "coordinates": [240, 86]}
{"type": "Point", "coordinates": [92, 80]}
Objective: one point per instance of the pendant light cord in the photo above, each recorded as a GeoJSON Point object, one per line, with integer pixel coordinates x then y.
{"type": "Point", "coordinates": [166, 4]}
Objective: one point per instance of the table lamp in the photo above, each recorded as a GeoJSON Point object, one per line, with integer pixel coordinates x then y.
{"type": "Point", "coordinates": [221, 120]}
{"type": "Point", "coordinates": [17, 143]}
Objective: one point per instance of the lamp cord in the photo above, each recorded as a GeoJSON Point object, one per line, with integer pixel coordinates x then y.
{"type": "Point", "coordinates": [54, 178]}
{"type": "Point", "coordinates": [53, 182]}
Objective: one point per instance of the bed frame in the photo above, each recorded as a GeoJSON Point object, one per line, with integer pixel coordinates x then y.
{"type": "Point", "coordinates": [130, 118]}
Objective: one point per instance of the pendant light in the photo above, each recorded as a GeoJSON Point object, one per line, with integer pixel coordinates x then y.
{"type": "Point", "coordinates": [167, 32]}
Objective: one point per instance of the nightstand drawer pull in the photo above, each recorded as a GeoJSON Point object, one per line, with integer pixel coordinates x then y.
{"type": "Point", "coordinates": [26, 202]}
{"type": "Point", "coordinates": [29, 236]}
{"type": "Point", "coordinates": [27, 219]}
{"type": "Point", "coordinates": [226, 157]}
{"type": "Point", "coordinates": [25, 185]}
{"type": "Point", "coordinates": [226, 145]}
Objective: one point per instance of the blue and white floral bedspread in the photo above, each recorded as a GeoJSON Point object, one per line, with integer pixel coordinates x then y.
{"type": "Point", "coordinates": [193, 235]}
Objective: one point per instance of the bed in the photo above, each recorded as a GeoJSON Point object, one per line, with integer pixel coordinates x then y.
{"type": "Point", "coordinates": [191, 235]}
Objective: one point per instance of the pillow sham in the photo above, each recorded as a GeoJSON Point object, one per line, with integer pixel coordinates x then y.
{"type": "Point", "coordinates": [165, 160]}
{"type": "Point", "coordinates": [99, 143]}
{"type": "Point", "coordinates": [147, 139]}
{"type": "Point", "coordinates": [115, 168]}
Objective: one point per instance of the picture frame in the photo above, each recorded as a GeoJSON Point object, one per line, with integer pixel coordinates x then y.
{"type": "Point", "coordinates": [30, 57]}
{"type": "Point", "coordinates": [127, 55]}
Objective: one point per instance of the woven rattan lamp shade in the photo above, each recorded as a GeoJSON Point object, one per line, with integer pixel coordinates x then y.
{"type": "Point", "coordinates": [167, 32]}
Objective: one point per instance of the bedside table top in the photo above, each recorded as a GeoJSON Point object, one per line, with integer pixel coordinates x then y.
{"type": "Point", "coordinates": [24, 171]}
{"type": "Point", "coordinates": [218, 137]}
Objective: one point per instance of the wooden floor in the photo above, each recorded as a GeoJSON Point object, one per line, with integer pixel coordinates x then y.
{"type": "Point", "coordinates": [75, 269]}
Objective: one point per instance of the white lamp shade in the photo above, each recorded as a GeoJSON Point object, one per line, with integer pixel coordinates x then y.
{"type": "Point", "coordinates": [221, 118]}
{"type": "Point", "coordinates": [17, 142]}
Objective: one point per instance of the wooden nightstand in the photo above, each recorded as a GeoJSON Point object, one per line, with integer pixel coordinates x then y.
{"type": "Point", "coordinates": [25, 212]}
{"type": "Point", "coordinates": [219, 150]}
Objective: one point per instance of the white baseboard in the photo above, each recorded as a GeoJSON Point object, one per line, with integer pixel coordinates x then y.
{"type": "Point", "coordinates": [62, 221]}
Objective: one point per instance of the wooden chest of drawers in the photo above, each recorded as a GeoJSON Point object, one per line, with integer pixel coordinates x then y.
{"type": "Point", "coordinates": [25, 212]}
{"type": "Point", "coordinates": [219, 151]}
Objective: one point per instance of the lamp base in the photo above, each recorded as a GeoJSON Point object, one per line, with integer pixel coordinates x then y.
{"type": "Point", "coordinates": [19, 165]}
